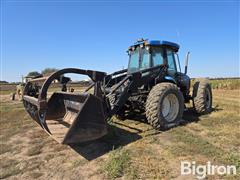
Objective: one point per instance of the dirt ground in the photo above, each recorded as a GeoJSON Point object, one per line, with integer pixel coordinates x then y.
{"type": "Point", "coordinates": [131, 150]}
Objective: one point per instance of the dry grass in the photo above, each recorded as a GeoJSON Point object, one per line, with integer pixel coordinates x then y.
{"type": "Point", "coordinates": [9, 167]}
{"type": "Point", "coordinates": [26, 152]}
{"type": "Point", "coordinates": [117, 163]}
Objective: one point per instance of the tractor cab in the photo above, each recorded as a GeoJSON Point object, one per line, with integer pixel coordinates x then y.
{"type": "Point", "coordinates": [146, 54]}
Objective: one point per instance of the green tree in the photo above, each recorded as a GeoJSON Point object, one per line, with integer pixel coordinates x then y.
{"type": "Point", "coordinates": [48, 71]}
{"type": "Point", "coordinates": [33, 73]}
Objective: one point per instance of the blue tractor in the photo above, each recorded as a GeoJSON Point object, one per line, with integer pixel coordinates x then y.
{"type": "Point", "coordinates": [153, 84]}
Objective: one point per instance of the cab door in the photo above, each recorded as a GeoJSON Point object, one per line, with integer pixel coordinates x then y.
{"type": "Point", "coordinates": [172, 68]}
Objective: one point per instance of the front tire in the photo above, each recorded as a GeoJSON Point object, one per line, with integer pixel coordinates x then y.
{"type": "Point", "coordinates": [164, 106]}
{"type": "Point", "coordinates": [202, 97]}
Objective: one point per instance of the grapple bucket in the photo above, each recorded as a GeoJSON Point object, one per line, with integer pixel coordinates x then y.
{"type": "Point", "coordinates": [68, 117]}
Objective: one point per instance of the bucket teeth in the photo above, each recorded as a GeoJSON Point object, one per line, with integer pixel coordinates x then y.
{"type": "Point", "coordinates": [43, 123]}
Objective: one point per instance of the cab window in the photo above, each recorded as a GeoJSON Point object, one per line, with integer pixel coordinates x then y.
{"type": "Point", "coordinates": [157, 56]}
{"type": "Point", "coordinates": [171, 62]}
{"type": "Point", "coordinates": [145, 60]}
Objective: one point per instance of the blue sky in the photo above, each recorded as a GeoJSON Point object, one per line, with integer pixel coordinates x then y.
{"type": "Point", "coordinates": [96, 35]}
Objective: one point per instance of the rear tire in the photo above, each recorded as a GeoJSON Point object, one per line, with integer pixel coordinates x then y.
{"type": "Point", "coordinates": [202, 97]}
{"type": "Point", "coordinates": [164, 106]}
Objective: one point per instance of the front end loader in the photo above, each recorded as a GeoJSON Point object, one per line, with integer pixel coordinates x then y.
{"type": "Point", "coordinates": [154, 88]}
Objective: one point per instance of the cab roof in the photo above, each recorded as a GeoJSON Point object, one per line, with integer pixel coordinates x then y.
{"type": "Point", "coordinates": [172, 45]}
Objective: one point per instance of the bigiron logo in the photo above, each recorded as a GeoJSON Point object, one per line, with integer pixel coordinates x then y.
{"type": "Point", "coordinates": [201, 171]}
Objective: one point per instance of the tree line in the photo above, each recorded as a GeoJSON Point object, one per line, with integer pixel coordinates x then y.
{"type": "Point", "coordinates": [44, 72]}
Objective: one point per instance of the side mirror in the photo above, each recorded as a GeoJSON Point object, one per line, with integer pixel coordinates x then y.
{"type": "Point", "coordinates": [186, 62]}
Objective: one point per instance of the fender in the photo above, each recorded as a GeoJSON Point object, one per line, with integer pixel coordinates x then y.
{"type": "Point", "coordinates": [170, 79]}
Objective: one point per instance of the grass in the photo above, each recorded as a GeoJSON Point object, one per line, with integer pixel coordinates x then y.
{"type": "Point", "coordinates": [8, 92]}
{"type": "Point", "coordinates": [195, 144]}
{"type": "Point", "coordinates": [35, 175]}
{"type": "Point", "coordinates": [9, 167]}
{"type": "Point", "coordinates": [117, 163]}
{"type": "Point", "coordinates": [140, 152]}
{"type": "Point", "coordinates": [228, 84]}
{"type": "Point", "coordinates": [4, 148]}
{"type": "Point", "coordinates": [10, 126]}
{"type": "Point", "coordinates": [78, 162]}
{"type": "Point", "coordinates": [35, 150]}
{"type": "Point", "coordinates": [48, 157]}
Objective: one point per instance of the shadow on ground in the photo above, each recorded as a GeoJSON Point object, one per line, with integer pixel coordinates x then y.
{"type": "Point", "coordinates": [115, 138]}
{"type": "Point", "coordinates": [190, 115]}
{"type": "Point", "coordinates": [118, 137]}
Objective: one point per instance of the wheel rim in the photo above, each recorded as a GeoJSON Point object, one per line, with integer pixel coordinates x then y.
{"type": "Point", "coordinates": [170, 107]}
{"type": "Point", "coordinates": [208, 98]}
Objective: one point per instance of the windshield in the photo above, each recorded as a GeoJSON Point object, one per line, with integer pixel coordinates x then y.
{"type": "Point", "coordinates": [137, 63]}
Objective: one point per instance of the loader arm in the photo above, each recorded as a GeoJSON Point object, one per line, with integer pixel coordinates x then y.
{"type": "Point", "coordinates": [131, 82]}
